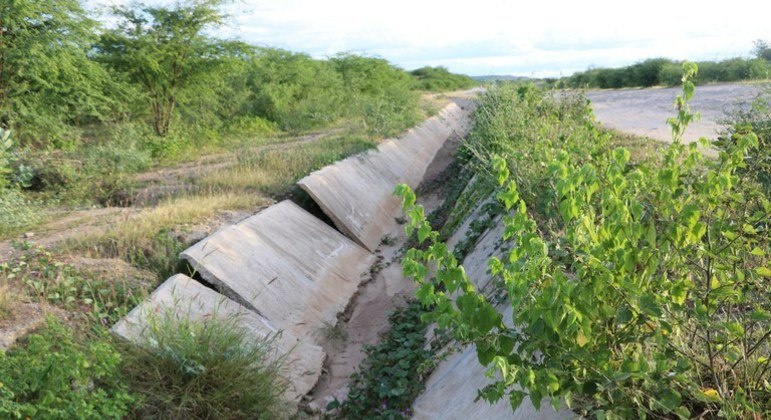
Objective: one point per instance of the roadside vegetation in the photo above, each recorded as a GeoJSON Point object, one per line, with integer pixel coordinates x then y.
{"type": "Point", "coordinates": [95, 119]}
{"type": "Point", "coordinates": [666, 72]}
{"type": "Point", "coordinates": [638, 287]}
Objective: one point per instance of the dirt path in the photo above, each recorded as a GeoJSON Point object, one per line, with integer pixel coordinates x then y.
{"type": "Point", "coordinates": [644, 112]}
{"type": "Point", "coordinates": [164, 182]}
{"type": "Point", "coordinates": [156, 185]}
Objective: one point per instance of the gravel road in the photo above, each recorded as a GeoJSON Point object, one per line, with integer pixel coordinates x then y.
{"type": "Point", "coordinates": [645, 111]}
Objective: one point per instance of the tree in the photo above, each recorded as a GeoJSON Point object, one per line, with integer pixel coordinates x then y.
{"type": "Point", "coordinates": [294, 90]}
{"type": "Point", "coordinates": [47, 79]}
{"type": "Point", "coordinates": [762, 49]}
{"type": "Point", "coordinates": [163, 50]}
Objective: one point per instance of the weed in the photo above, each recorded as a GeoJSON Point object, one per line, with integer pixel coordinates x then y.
{"type": "Point", "coordinates": [334, 333]}
{"type": "Point", "coordinates": [387, 240]}
{"type": "Point", "coordinates": [48, 280]}
{"type": "Point", "coordinates": [52, 374]}
{"type": "Point", "coordinates": [274, 172]}
{"type": "Point", "coordinates": [144, 238]}
{"type": "Point", "coordinates": [394, 371]}
{"type": "Point", "coordinates": [212, 369]}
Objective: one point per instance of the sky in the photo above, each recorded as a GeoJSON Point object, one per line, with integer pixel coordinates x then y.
{"type": "Point", "coordinates": [537, 38]}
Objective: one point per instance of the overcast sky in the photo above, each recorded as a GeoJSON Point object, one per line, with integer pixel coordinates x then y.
{"type": "Point", "coordinates": [476, 37]}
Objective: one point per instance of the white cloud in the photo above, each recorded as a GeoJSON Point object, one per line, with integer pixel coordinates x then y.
{"type": "Point", "coordinates": [510, 37]}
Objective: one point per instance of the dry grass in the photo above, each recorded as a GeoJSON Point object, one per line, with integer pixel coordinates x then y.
{"type": "Point", "coordinates": [642, 149]}
{"type": "Point", "coordinates": [143, 236]}
{"type": "Point", "coordinates": [6, 301]}
{"type": "Point", "coordinates": [274, 172]}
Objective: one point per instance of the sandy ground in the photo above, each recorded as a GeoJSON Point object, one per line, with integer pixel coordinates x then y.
{"type": "Point", "coordinates": [645, 111]}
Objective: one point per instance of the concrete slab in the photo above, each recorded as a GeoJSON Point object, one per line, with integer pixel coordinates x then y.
{"type": "Point", "coordinates": [189, 300]}
{"type": "Point", "coordinates": [452, 387]}
{"type": "Point", "coordinates": [357, 193]}
{"type": "Point", "coordinates": [451, 391]}
{"type": "Point", "coordinates": [287, 265]}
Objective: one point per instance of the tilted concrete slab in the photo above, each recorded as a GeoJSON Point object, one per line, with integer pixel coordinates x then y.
{"type": "Point", "coordinates": [357, 192]}
{"type": "Point", "coordinates": [284, 263]}
{"type": "Point", "coordinates": [186, 299]}
{"type": "Point", "coordinates": [452, 388]}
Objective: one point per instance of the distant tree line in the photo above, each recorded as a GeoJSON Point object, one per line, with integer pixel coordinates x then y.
{"type": "Point", "coordinates": [439, 79]}
{"type": "Point", "coordinates": [666, 72]}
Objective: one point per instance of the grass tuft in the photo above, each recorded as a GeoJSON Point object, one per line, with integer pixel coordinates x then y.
{"type": "Point", "coordinates": [205, 370]}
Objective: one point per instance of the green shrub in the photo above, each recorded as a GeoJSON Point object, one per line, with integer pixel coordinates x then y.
{"type": "Point", "coordinates": [756, 119]}
{"type": "Point", "coordinates": [16, 212]}
{"type": "Point", "coordinates": [670, 74]}
{"type": "Point", "coordinates": [255, 126]}
{"type": "Point", "coordinates": [293, 90]}
{"type": "Point", "coordinates": [197, 370]}
{"type": "Point", "coordinates": [6, 146]}
{"type": "Point", "coordinates": [379, 93]}
{"type": "Point", "coordinates": [52, 375]}
{"type": "Point", "coordinates": [636, 289]}
{"type": "Point", "coordinates": [439, 79]}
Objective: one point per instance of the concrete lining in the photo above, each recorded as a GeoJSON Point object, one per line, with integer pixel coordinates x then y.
{"type": "Point", "coordinates": [451, 393]}
{"type": "Point", "coordinates": [451, 390]}
{"type": "Point", "coordinates": [287, 265]}
{"type": "Point", "coordinates": [187, 299]}
{"type": "Point", "coordinates": [357, 192]}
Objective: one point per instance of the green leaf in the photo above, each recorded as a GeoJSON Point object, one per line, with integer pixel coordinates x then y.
{"type": "Point", "coordinates": [423, 232]}
{"type": "Point", "coordinates": [515, 399]}
{"type": "Point", "coordinates": [760, 314]}
{"type": "Point", "coordinates": [763, 271]}
{"type": "Point", "coordinates": [758, 252]}
{"type": "Point", "coordinates": [670, 399]}
{"type": "Point", "coordinates": [581, 339]}
{"type": "Point", "coordinates": [679, 292]}
{"type": "Point", "coordinates": [736, 329]}
{"type": "Point", "coordinates": [649, 306]}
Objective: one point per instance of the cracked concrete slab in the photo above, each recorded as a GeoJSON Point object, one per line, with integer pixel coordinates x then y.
{"type": "Point", "coordinates": [187, 299]}
{"type": "Point", "coordinates": [357, 192]}
{"type": "Point", "coordinates": [287, 265]}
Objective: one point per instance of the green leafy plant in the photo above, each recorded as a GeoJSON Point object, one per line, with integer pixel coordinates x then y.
{"type": "Point", "coordinates": [656, 303]}
{"type": "Point", "coordinates": [393, 373]}
{"type": "Point", "coordinates": [756, 119]}
{"type": "Point", "coordinates": [54, 375]}
{"type": "Point", "coordinates": [49, 280]}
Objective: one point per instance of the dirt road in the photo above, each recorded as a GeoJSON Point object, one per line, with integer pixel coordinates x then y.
{"type": "Point", "coordinates": [645, 111]}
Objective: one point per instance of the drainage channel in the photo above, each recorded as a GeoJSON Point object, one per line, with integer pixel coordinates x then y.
{"type": "Point", "coordinates": [286, 270]}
